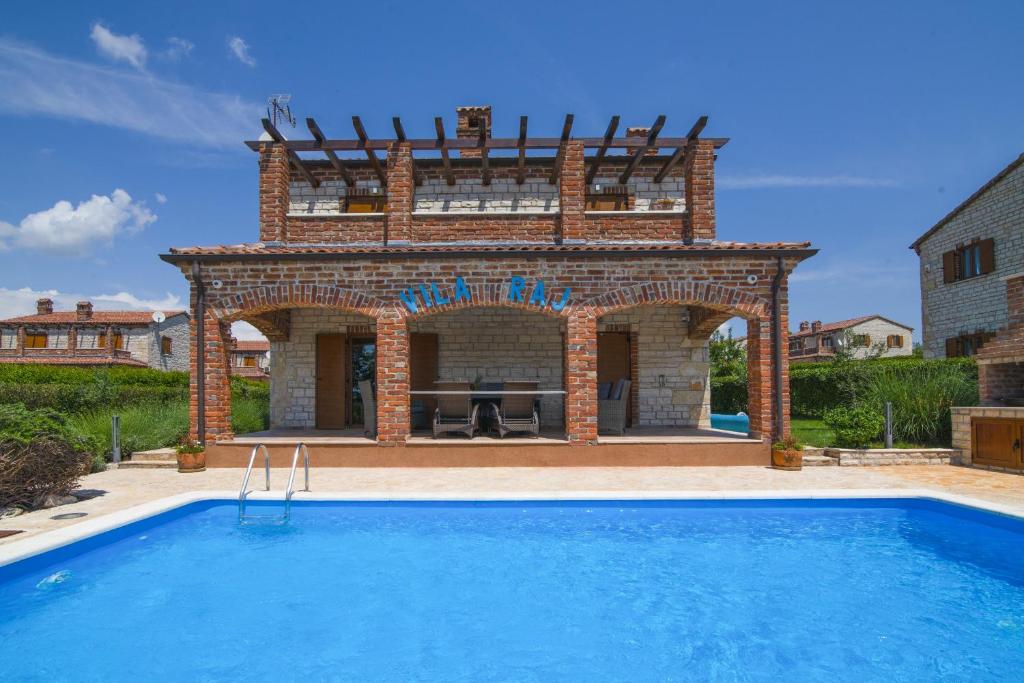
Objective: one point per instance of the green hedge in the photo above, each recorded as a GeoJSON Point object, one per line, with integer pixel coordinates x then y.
{"type": "Point", "coordinates": [69, 375]}
{"type": "Point", "coordinates": [817, 387]}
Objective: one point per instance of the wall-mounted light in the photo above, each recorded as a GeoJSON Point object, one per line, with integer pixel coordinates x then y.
{"type": "Point", "coordinates": [752, 279]}
{"type": "Point", "coordinates": [216, 284]}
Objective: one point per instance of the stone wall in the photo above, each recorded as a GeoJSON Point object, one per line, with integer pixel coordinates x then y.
{"type": "Point", "coordinates": [872, 457]}
{"type": "Point", "coordinates": [878, 330]}
{"type": "Point", "coordinates": [976, 304]}
{"type": "Point", "coordinates": [500, 344]}
{"type": "Point", "coordinates": [503, 195]}
{"type": "Point", "coordinates": [177, 329]}
{"type": "Point", "coordinates": [293, 364]}
{"type": "Point", "coordinates": [672, 383]}
{"type": "Point", "coordinates": [961, 417]}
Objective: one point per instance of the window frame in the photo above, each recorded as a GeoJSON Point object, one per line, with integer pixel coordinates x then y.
{"type": "Point", "coordinates": [34, 336]}
{"type": "Point", "coordinates": [166, 345]}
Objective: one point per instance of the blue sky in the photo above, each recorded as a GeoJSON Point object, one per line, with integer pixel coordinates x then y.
{"type": "Point", "coordinates": [854, 125]}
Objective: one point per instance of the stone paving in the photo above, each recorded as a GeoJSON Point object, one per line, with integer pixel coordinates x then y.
{"type": "Point", "coordinates": [119, 489]}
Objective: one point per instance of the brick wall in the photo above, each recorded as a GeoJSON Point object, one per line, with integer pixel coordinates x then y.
{"type": "Point", "coordinates": [977, 304]}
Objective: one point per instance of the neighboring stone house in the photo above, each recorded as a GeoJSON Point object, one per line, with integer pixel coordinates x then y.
{"type": "Point", "coordinates": [88, 337]}
{"type": "Point", "coordinates": [251, 358]}
{"type": "Point", "coordinates": [966, 259]}
{"type": "Point", "coordinates": [868, 336]}
{"type": "Point", "coordinates": [570, 262]}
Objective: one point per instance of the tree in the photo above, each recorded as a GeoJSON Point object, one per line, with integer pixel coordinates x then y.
{"type": "Point", "coordinates": [728, 355]}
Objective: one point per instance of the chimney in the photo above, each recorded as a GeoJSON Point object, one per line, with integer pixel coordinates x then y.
{"type": "Point", "coordinates": [816, 326]}
{"type": "Point", "coordinates": [470, 121]}
{"type": "Point", "coordinates": [84, 310]}
{"type": "Point", "coordinates": [641, 134]}
{"type": "Point", "coordinates": [44, 306]}
{"type": "Point", "coordinates": [804, 326]}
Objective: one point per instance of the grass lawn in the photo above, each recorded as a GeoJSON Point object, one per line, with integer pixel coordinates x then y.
{"type": "Point", "coordinates": [811, 432]}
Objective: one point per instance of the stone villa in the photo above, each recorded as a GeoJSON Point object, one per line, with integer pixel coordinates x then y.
{"type": "Point", "coordinates": [250, 358]}
{"type": "Point", "coordinates": [966, 260]}
{"type": "Point", "coordinates": [88, 337]}
{"type": "Point", "coordinates": [568, 262]}
{"type": "Point", "coordinates": [869, 335]}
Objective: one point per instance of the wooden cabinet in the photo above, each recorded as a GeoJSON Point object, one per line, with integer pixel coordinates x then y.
{"type": "Point", "coordinates": [997, 442]}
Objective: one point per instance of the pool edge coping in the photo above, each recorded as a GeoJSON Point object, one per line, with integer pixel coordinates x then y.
{"type": "Point", "coordinates": [16, 551]}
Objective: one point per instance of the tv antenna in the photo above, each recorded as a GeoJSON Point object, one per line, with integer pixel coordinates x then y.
{"type": "Point", "coordinates": [278, 110]}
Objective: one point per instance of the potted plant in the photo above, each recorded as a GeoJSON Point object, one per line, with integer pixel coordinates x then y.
{"type": "Point", "coordinates": [787, 454]}
{"type": "Point", "coordinates": [191, 457]}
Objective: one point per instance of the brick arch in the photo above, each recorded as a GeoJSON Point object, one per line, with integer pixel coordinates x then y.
{"type": "Point", "coordinates": [718, 298]}
{"type": "Point", "coordinates": [264, 300]}
{"type": "Point", "coordinates": [491, 295]}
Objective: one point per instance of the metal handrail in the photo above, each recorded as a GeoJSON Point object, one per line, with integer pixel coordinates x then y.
{"type": "Point", "coordinates": [248, 471]}
{"type": "Point", "coordinates": [300, 447]}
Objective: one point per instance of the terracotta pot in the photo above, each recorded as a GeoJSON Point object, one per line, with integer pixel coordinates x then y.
{"type": "Point", "coordinates": [787, 460]}
{"type": "Point", "coordinates": [191, 462]}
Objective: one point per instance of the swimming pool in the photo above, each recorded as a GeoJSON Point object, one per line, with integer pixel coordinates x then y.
{"type": "Point", "coordinates": [877, 589]}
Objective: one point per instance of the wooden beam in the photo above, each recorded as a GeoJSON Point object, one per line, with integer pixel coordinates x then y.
{"type": "Point", "coordinates": [566, 128]}
{"type": "Point", "coordinates": [370, 154]}
{"type": "Point", "coordinates": [318, 135]}
{"type": "Point", "coordinates": [613, 125]}
{"type": "Point", "coordinates": [682, 151]}
{"type": "Point", "coordinates": [293, 158]}
{"type": "Point", "coordinates": [442, 144]}
{"type": "Point", "coordinates": [652, 137]}
{"type": "Point", "coordinates": [521, 164]}
{"type": "Point", "coordinates": [483, 156]}
{"type": "Point", "coordinates": [426, 144]}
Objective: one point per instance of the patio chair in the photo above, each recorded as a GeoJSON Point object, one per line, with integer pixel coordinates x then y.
{"type": "Point", "coordinates": [611, 411]}
{"type": "Point", "coordinates": [517, 412]}
{"type": "Point", "coordinates": [369, 409]}
{"type": "Point", "coordinates": [455, 414]}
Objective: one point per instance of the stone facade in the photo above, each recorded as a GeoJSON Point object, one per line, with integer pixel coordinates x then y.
{"type": "Point", "coordinates": [552, 277]}
{"type": "Point", "coordinates": [877, 337]}
{"type": "Point", "coordinates": [878, 457]}
{"type": "Point", "coordinates": [976, 305]}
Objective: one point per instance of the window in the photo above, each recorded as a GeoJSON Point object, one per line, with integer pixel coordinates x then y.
{"type": "Point", "coordinates": [249, 361]}
{"type": "Point", "coordinates": [894, 341]}
{"type": "Point", "coordinates": [966, 344]}
{"type": "Point", "coordinates": [969, 260]}
{"type": "Point", "coordinates": [35, 340]}
{"type": "Point", "coordinates": [364, 200]}
{"type": "Point", "coordinates": [165, 346]}
{"type": "Point", "coordinates": [607, 198]}
{"type": "Point", "coordinates": [826, 342]}
{"type": "Point", "coordinates": [860, 340]}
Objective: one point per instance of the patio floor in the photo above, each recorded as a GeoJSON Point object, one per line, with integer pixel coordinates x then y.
{"type": "Point", "coordinates": [119, 489]}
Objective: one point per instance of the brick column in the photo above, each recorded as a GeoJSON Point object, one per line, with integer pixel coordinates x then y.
{"type": "Point", "coordinates": [759, 382]}
{"type": "Point", "coordinates": [275, 175]}
{"type": "Point", "coordinates": [215, 349]}
{"type": "Point", "coordinates": [581, 377]}
{"type": "Point", "coordinates": [400, 193]}
{"type": "Point", "coordinates": [699, 180]}
{"type": "Point", "coordinates": [393, 417]}
{"type": "Point", "coordinates": [72, 340]}
{"type": "Point", "coordinates": [19, 343]}
{"type": "Point", "coordinates": [572, 193]}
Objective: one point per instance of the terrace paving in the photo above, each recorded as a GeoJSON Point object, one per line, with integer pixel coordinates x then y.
{"type": "Point", "coordinates": [118, 489]}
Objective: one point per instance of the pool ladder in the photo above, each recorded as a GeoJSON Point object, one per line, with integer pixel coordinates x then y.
{"type": "Point", "coordinates": [243, 494]}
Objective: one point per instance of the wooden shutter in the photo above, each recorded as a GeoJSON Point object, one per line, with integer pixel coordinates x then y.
{"type": "Point", "coordinates": [952, 347]}
{"type": "Point", "coordinates": [988, 255]}
{"type": "Point", "coordinates": [949, 266]}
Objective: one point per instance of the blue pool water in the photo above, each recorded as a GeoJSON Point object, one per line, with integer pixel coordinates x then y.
{"type": "Point", "coordinates": [733, 590]}
{"type": "Point", "coordinates": [732, 423]}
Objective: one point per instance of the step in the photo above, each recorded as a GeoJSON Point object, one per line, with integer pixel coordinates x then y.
{"type": "Point", "coordinates": [820, 461]}
{"type": "Point", "coordinates": [148, 464]}
{"type": "Point", "coordinates": [164, 454]}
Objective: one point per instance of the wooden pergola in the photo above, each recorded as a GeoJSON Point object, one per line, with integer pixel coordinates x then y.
{"type": "Point", "coordinates": [639, 148]}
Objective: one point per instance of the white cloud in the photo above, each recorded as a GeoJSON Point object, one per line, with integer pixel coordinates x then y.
{"type": "Point", "coordinates": [77, 229]}
{"type": "Point", "coordinates": [161, 198]}
{"type": "Point", "coordinates": [178, 49]}
{"type": "Point", "coordinates": [240, 49]}
{"type": "Point", "coordinates": [756, 182]}
{"type": "Point", "coordinates": [855, 274]}
{"type": "Point", "coordinates": [15, 302]}
{"type": "Point", "coordinates": [120, 48]}
{"type": "Point", "coordinates": [34, 82]}
{"type": "Point", "coordinates": [244, 330]}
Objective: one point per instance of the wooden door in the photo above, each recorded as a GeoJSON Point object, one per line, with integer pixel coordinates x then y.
{"type": "Point", "coordinates": [330, 381]}
{"type": "Point", "coordinates": [997, 442]}
{"type": "Point", "coordinates": [613, 363]}
{"type": "Point", "coordinates": [423, 367]}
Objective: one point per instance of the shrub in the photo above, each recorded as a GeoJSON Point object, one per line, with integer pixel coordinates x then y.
{"type": "Point", "coordinates": [249, 415]}
{"type": "Point", "coordinates": [32, 471]}
{"type": "Point", "coordinates": [855, 427]}
{"type": "Point", "coordinates": [70, 375]}
{"type": "Point", "coordinates": [143, 427]}
{"type": "Point", "coordinates": [728, 395]}
{"type": "Point", "coordinates": [23, 425]}
{"type": "Point", "coordinates": [921, 399]}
